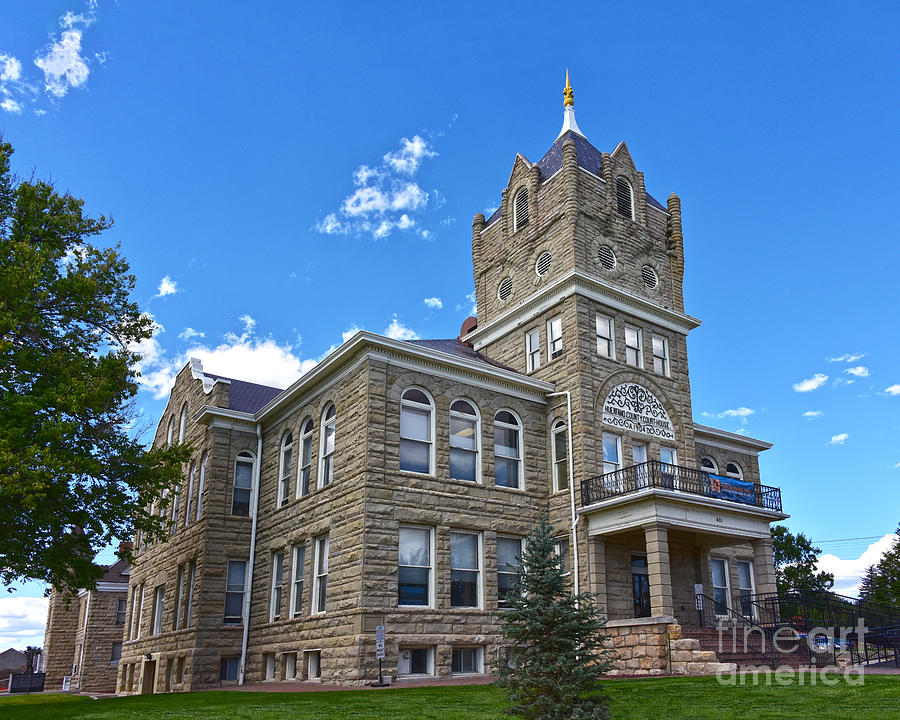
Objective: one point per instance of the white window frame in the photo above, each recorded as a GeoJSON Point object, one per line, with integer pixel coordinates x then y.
{"type": "Point", "coordinates": [308, 657]}
{"type": "Point", "coordinates": [479, 659]}
{"type": "Point", "coordinates": [674, 452]}
{"type": "Point", "coordinates": [298, 576]}
{"type": "Point", "coordinates": [189, 600]}
{"type": "Point", "coordinates": [179, 598]}
{"type": "Point", "coordinates": [415, 405]}
{"type": "Point", "coordinates": [504, 570]}
{"type": "Point", "coordinates": [533, 349]}
{"type": "Point", "coordinates": [559, 427]}
{"type": "Point", "coordinates": [290, 666]}
{"type": "Point", "coordinates": [610, 342]}
{"type": "Point", "coordinates": [244, 457]}
{"type": "Point", "coordinates": [123, 603]}
{"type": "Point", "coordinates": [662, 359]}
{"type": "Point", "coordinates": [138, 611]}
{"type": "Point", "coordinates": [739, 475]}
{"type": "Point", "coordinates": [283, 486]}
{"type": "Point", "coordinates": [477, 451]}
{"type": "Point", "coordinates": [269, 659]}
{"type": "Point", "coordinates": [554, 339]}
{"type": "Point", "coordinates": [618, 463]}
{"type": "Point", "coordinates": [159, 602]}
{"type": "Point", "coordinates": [189, 500]}
{"type": "Point", "coordinates": [114, 657]}
{"type": "Point", "coordinates": [561, 546]}
{"type": "Point", "coordinates": [182, 424]}
{"type": "Point", "coordinates": [431, 560]}
{"type": "Point", "coordinates": [639, 348]}
{"type": "Point", "coordinates": [325, 481]}
{"type": "Point", "coordinates": [479, 558]}
{"type": "Point", "coordinates": [176, 506]}
{"type": "Point", "coordinates": [715, 466]}
{"type": "Point", "coordinates": [752, 588]}
{"type": "Point", "coordinates": [521, 443]}
{"type": "Point", "coordinates": [202, 485]}
{"type": "Point", "coordinates": [401, 661]}
{"type": "Point", "coordinates": [307, 427]}
{"type": "Point", "coordinates": [170, 432]}
{"type": "Point", "coordinates": [727, 588]}
{"type": "Point", "coordinates": [242, 591]}
{"type": "Point", "coordinates": [276, 586]}
{"type": "Point", "coordinates": [320, 605]}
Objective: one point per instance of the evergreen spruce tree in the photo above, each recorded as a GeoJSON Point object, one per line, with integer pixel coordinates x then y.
{"type": "Point", "coordinates": [555, 642]}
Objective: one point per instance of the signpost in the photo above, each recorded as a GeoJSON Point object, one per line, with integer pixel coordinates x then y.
{"type": "Point", "coordinates": [698, 598]}
{"type": "Point", "coordinates": [379, 650]}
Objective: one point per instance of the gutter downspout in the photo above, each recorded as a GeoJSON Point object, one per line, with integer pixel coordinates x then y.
{"type": "Point", "coordinates": [245, 610]}
{"type": "Point", "coordinates": [571, 486]}
{"type": "Point", "coordinates": [87, 611]}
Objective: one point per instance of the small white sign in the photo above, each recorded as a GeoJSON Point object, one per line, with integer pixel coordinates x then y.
{"type": "Point", "coordinates": [379, 642]}
{"type": "Point", "coordinates": [67, 683]}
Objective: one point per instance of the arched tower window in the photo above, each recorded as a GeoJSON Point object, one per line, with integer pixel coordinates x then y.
{"type": "Point", "coordinates": [520, 210]}
{"type": "Point", "coordinates": [170, 432]}
{"type": "Point", "coordinates": [416, 432]}
{"type": "Point", "coordinates": [326, 446]}
{"type": "Point", "coordinates": [465, 436]}
{"type": "Point", "coordinates": [182, 427]}
{"type": "Point", "coordinates": [733, 470]}
{"type": "Point", "coordinates": [507, 450]}
{"type": "Point", "coordinates": [243, 484]}
{"type": "Point", "coordinates": [306, 433]}
{"type": "Point", "coordinates": [707, 464]}
{"type": "Point", "coordinates": [560, 457]}
{"type": "Point", "coordinates": [284, 484]}
{"type": "Point", "coordinates": [624, 198]}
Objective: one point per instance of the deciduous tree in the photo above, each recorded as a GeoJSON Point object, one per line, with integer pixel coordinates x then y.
{"type": "Point", "coordinates": [796, 562]}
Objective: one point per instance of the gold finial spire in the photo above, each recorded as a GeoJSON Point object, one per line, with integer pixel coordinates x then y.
{"type": "Point", "coordinates": [568, 93]}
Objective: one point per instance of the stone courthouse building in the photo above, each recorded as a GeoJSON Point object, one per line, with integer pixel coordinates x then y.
{"type": "Point", "coordinates": [393, 483]}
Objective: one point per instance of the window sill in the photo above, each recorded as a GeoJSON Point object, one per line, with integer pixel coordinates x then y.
{"type": "Point", "coordinates": [413, 473]}
{"type": "Point", "coordinates": [511, 489]}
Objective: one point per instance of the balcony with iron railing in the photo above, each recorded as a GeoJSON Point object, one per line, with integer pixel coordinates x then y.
{"type": "Point", "coordinates": [656, 475]}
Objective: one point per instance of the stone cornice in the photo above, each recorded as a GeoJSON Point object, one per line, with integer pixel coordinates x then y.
{"type": "Point", "coordinates": [728, 440]}
{"type": "Point", "coordinates": [577, 282]}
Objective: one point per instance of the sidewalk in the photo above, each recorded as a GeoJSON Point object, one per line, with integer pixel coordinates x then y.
{"type": "Point", "coordinates": [313, 686]}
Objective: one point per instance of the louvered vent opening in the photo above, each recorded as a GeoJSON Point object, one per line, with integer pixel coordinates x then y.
{"type": "Point", "coordinates": [521, 210]}
{"type": "Point", "coordinates": [623, 198]}
{"type": "Point", "coordinates": [542, 266]}
{"type": "Point", "coordinates": [505, 289]}
{"type": "Point", "coordinates": [606, 256]}
{"type": "Point", "coordinates": [649, 276]}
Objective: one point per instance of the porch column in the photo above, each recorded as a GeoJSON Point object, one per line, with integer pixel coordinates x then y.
{"type": "Point", "coordinates": [656, 536]}
{"type": "Point", "coordinates": [763, 565]}
{"type": "Point", "coordinates": [597, 568]}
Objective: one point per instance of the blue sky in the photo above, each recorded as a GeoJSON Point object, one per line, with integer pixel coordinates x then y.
{"type": "Point", "coordinates": [283, 175]}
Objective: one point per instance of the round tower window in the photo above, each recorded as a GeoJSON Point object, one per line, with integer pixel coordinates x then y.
{"type": "Point", "coordinates": [606, 256]}
{"type": "Point", "coordinates": [505, 289]}
{"type": "Point", "coordinates": [649, 275]}
{"type": "Point", "coordinates": [542, 266]}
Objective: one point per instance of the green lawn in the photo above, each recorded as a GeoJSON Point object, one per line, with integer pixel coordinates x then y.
{"type": "Point", "coordinates": [670, 698]}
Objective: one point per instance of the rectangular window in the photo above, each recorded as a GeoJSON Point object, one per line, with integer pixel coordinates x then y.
{"type": "Point", "coordinates": [298, 565]}
{"type": "Point", "coordinates": [116, 653]}
{"type": "Point", "coordinates": [640, 586]}
{"type": "Point", "coordinates": [467, 660]}
{"type": "Point", "coordinates": [719, 568]}
{"type": "Point", "coordinates": [234, 592]}
{"type": "Point", "coordinates": [465, 569]}
{"type": "Point", "coordinates": [139, 613]}
{"type": "Point", "coordinates": [320, 581]}
{"type": "Point", "coordinates": [189, 601]}
{"type": "Point", "coordinates": [560, 457]}
{"type": "Point", "coordinates": [189, 500]}
{"type": "Point", "coordinates": [290, 666]}
{"type": "Point", "coordinates": [634, 348]}
{"type": "Point", "coordinates": [606, 337]}
{"type": "Point", "coordinates": [313, 664]}
{"type": "Point", "coordinates": [509, 565]}
{"type": "Point", "coordinates": [554, 338]}
{"type": "Point", "coordinates": [179, 594]}
{"type": "Point", "coordinates": [243, 483]}
{"type": "Point", "coordinates": [533, 349]}
{"type": "Point", "coordinates": [121, 605]}
{"type": "Point", "coordinates": [415, 661]}
{"type": "Point", "coordinates": [275, 592]}
{"type": "Point", "coordinates": [269, 660]}
{"type": "Point", "coordinates": [305, 459]}
{"type": "Point", "coordinates": [745, 587]}
{"type": "Point", "coordinates": [612, 452]}
{"type": "Point", "coordinates": [660, 355]}
{"type": "Point", "coordinates": [158, 600]}
{"type": "Point", "coordinates": [228, 668]}
{"type": "Point", "coordinates": [176, 500]}
{"type": "Point", "coordinates": [179, 671]}
{"type": "Point", "coordinates": [414, 571]}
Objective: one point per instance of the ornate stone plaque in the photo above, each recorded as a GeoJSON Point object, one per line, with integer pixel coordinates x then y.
{"type": "Point", "coordinates": [632, 407]}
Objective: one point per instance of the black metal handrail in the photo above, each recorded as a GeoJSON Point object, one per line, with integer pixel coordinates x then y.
{"type": "Point", "coordinates": [660, 475]}
{"type": "Point", "coordinates": [820, 608]}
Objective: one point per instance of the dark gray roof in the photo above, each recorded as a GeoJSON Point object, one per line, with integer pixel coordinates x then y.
{"type": "Point", "coordinates": [246, 396]}
{"type": "Point", "coordinates": [117, 572]}
{"type": "Point", "coordinates": [460, 349]}
{"type": "Point", "coordinates": [589, 158]}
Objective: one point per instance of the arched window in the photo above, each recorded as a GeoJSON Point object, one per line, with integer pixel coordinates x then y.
{"type": "Point", "coordinates": [170, 432]}
{"type": "Point", "coordinates": [201, 486]}
{"type": "Point", "coordinates": [306, 432]}
{"type": "Point", "coordinates": [707, 464]}
{"type": "Point", "coordinates": [624, 198]}
{"type": "Point", "coordinates": [416, 432]}
{"type": "Point", "coordinates": [176, 501]}
{"type": "Point", "coordinates": [326, 446]}
{"type": "Point", "coordinates": [465, 441]}
{"type": "Point", "coordinates": [182, 426]}
{"type": "Point", "coordinates": [733, 470]}
{"type": "Point", "coordinates": [560, 457]}
{"type": "Point", "coordinates": [243, 484]}
{"type": "Point", "coordinates": [189, 501]}
{"type": "Point", "coordinates": [507, 450]}
{"type": "Point", "coordinates": [520, 210]}
{"type": "Point", "coordinates": [284, 484]}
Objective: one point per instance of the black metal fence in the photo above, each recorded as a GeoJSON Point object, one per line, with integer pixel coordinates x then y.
{"type": "Point", "coordinates": [663, 476]}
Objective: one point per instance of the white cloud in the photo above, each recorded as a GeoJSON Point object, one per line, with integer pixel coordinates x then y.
{"type": "Point", "coordinates": [189, 334]}
{"type": "Point", "coordinates": [858, 371]}
{"type": "Point", "coordinates": [813, 383]}
{"type": "Point", "coordinates": [812, 414]}
{"type": "Point", "coordinates": [848, 573]}
{"type": "Point", "coordinates": [406, 160]}
{"type": "Point", "coordinates": [63, 65]}
{"type": "Point", "coordinates": [897, 465]}
{"type": "Point", "coordinates": [847, 357]}
{"type": "Point", "coordinates": [893, 390]}
{"type": "Point", "coordinates": [10, 68]}
{"type": "Point", "coordinates": [409, 197]}
{"type": "Point", "coordinates": [70, 19]}
{"type": "Point", "coordinates": [434, 302]}
{"type": "Point", "coordinates": [249, 324]}
{"type": "Point", "coordinates": [167, 286]}
{"type": "Point", "coordinates": [398, 331]}
{"type": "Point", "coordinates": [330, 225]}
{"type": "Point", "coordinates": [742, 412]}
{"type": "Point", "coordinates": [22, 621]}
{"type": "Point", "coordinates": [838, 439]}
{"type": "Point", "coordinates": [11, 106]}
{"type": "Point", "coordinates": [364, 201]}
{"type": "Point", "coordinates": [350, 332]}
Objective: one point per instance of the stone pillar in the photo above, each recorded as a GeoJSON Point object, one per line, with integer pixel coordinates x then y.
{"type": "Point", "coordinates": [657, 539]}
{"type": "Point", "coordinates": [597, 571]}
{"type": "Point", "coordinates": [763, 565]}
